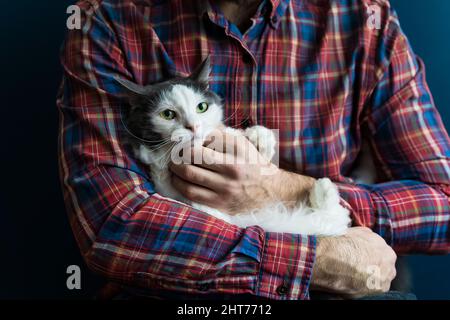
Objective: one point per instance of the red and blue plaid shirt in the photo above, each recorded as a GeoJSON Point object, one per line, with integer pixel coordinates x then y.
{"type": "Point", "coordinates": [316, 71]}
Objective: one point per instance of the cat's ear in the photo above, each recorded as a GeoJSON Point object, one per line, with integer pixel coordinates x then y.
{"type": "Point", "coordinates": [136, 94]}
{"type": "Point", "coordinates": [202, 72]}
{"type": "Point", "coordinates": [131, 87]}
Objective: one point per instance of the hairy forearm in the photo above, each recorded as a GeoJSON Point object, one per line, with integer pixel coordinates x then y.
{"type": "Point", "coordinates": [290, 187]}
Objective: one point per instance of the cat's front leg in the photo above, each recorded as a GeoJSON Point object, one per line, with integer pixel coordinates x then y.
{"type": "Point", "coordinates": [233, 131]}
{"type": "Point", "coordinates": [328, 216]}
{"type": "Point", "coordinates": [263, 139]}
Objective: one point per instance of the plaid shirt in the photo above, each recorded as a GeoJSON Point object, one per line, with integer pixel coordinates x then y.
{"type": "Point", "coordinates": [312, 69]}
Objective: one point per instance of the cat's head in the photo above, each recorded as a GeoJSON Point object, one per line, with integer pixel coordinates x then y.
{"type": "Point", "coordinates": [182, 107]}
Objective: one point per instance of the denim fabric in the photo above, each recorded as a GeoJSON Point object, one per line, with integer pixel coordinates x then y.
{"type": "Point", "coordinates": [391, 295]}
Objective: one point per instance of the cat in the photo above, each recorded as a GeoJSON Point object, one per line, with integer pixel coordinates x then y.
{"type": "Point", "coordinates": [186, 108]}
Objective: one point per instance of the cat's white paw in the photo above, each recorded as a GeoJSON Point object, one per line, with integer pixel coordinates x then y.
{"type": "Point", "coordinates": [331, 219]}
{"type": "Point", "coordinates": [233, 131]}
{"type": "Point", "coordinates": [324, 194]}
{"type": "Point", "coordinates": [263, 139]}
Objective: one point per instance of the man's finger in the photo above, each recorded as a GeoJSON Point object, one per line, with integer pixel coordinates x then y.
{"type": "Point", "coordinates": [226, 142]}
{"type": "Point", "coordinates": [212, 160]}
{"type": "Point", "coordinates": [194, 192]}
{"type": "Point", "coordinates": [200, 176]}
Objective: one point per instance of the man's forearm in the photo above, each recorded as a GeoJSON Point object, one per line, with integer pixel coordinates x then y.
{"type": "Point", "coordinates": [290, 187]}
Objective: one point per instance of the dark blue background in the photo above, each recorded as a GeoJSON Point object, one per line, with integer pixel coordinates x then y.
{"type": "Point", "coordinates": [36, 244]}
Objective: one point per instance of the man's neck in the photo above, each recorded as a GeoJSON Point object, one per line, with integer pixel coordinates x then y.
{"type": "Point", "coordinates": [244, 3]}
{"type": "Point", "coordinates": [239, 12]}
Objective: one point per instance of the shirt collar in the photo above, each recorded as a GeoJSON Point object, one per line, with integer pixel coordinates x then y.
{"type": "Point", "coordinates": [276, 8]}
{"type": "Point", "coordinates": [275, 4]}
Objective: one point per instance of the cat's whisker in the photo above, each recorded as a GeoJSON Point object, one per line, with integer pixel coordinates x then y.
{"type": "Point", "coordinates": [238, 125]}
{"type": "Point", "coordinates": [167, 160]}
{"type": "Point", "coordinates": [139, 138]}
{"type": "Point", "coordinates": [165, 157]}
{"type": "Point", "coordinates": [160, 141]}
{"type": "Point", "coordinates": [158, 147]}
{"type": "Point", "coordinates": [158, 160]}
{"type": "Point", "coordinates": [231, 116]}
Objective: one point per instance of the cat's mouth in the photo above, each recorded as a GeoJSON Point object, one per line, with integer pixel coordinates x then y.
{"type": "Point", "coordinates": [186, 136]}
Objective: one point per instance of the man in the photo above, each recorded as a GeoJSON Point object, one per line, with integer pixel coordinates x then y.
{"type": "Point", "coordinates": [315, 70]}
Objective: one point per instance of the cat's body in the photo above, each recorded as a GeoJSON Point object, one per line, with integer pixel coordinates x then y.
{"type": "Point", "coordinates": [185, 108]}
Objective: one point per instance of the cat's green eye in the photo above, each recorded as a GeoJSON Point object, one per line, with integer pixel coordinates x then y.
{"type": "Point", "coordinates": [168, 114]}
{"type": "Point", "coordinates": [202, 107]}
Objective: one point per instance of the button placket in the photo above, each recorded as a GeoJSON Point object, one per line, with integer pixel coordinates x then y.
{"type": "Point", "coordinates": [254, 94]}
{"type": "Point", "coordinates": [248, 96]}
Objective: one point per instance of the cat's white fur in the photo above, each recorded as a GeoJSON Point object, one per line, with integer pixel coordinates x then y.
{"type": "Point", "coordinates": [321, 215]}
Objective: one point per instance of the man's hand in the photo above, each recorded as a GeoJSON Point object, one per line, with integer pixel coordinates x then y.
{"type": "Point", "coordinates": [355, 265]}
{"type": "Point", "coordinates": [236, 180]}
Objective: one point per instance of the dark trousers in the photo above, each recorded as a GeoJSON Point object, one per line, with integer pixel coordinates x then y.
{"type": "Point", "coordinates": [391, 295]}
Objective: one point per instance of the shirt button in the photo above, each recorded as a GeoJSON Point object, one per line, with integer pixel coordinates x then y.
{"type": "Point", "coordinates": [203, 287]}
{"type": "Point", "coordinates": [282, 290]}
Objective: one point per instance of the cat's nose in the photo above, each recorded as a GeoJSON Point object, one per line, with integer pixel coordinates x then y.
{"type": "Point", "coordinates": [193, 127]}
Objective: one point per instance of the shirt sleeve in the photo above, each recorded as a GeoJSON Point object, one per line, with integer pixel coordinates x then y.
{"type": "Point", "coordinates": [131, 235]}
{"type": "Point", "coordinates": [411, 149]}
